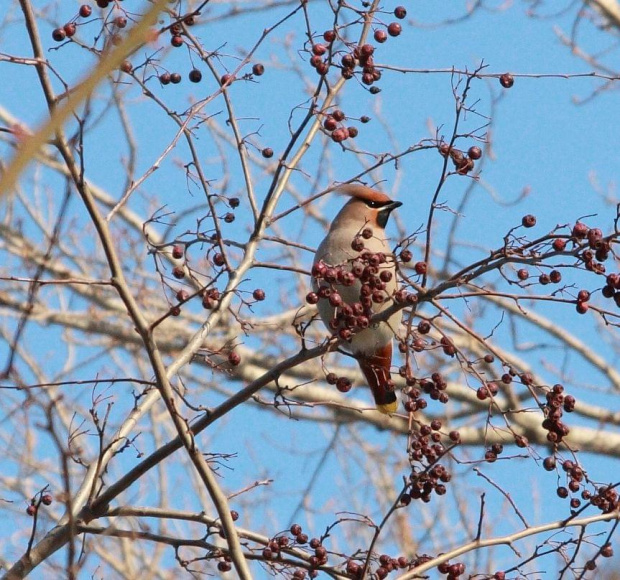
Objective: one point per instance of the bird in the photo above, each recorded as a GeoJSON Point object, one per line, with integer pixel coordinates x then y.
{"type": "Point", "coordinates": [354, 278]}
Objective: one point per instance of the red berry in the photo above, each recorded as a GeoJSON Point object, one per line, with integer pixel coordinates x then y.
{"type": "Point", "coordinates": [406, 255]}
{"type": "Point", "coordinates": [474, 152]}
{"type": "Point", "coordinates": [420, 268]}
{"type": "Point", "coordinates": [120, 22]}
{"type": "Point", "coordinates": [528, 221]}
{"type": "Point", "coordinates": [175, 78]}
{"type": "Point", "coordinates": [85, 10]}
{"type": "Point", "coordinates": [70, 29]}
{"type": "Point", "coordinates": [329, 35]}
{"type": "Point", "coordinates": [195, 75]}
{"type": "Point", "coordinates": [31, 510]}
{"type": "Point", "coordinates": [178, 272]}
{"type": "Point", "coordinates": [164, 78]}
{"type": "Point", "coordinates": [394, 29]}
{"type": "Point", "coordinates": [126, 66]}
{"type": "Point", "coordinates": [580, 230]}
{"type": "Point", "coordinates": [555, 276]}
{"type": "Point", "coordinates": [234, 358]}
{"type": "Point", "coordinates": [312, 298]}
{"type": "Point", "coordinates": [226, 79]}
{"type": "Point", "coordinates": [330, 123]}
{"type": "Point", "coordinates": [218, 259]}
{"type": "Point", "coordinates": [339, 135]}
{"type": "Point", "coordinates": [343, 384]}
{"type": "Point", "coordinates": [319, 49]}
{"type": "Point", "coordinates": [58, 34]}
{"type": "Point", "coordinates": [176, 41]}
{"type": "Point", "coordinates": [267, 152]}
{"type": "Point", "coordinates": [178, 252]}
{"type": "Point", "coordinates": [380, 35]}
{"type": "Point", "coordinates": [582, 307]}
{"type": "Point", "coordinates": [258, 69]}
{"type": "Point", "coordinates": [258, 294]}
{"type": "Point", "coordinates": [46, 498]}
{"type": "Point", "coordinates": [506, 80]}
{"type": "Point", "coordinates": [353, 132]}
{"type": "Point", "coordinates": [583, 296]}
{"type": "Point", "coordinates": [400, 12]}
{"type": "Point", "coordinates": [523, 274]}
{"type": "Point", "coordinates": [559, 244]}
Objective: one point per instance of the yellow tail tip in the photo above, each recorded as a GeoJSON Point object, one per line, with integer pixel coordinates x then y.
{"type": "Point", "coordinates": [388, 409]}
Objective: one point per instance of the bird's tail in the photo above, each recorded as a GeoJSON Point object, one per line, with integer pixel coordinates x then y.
{"type": "Point", "coordinates": [376, 369]}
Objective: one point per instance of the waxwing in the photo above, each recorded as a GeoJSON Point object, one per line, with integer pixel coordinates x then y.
{"type": "Point", "coordinates": [354, 276]}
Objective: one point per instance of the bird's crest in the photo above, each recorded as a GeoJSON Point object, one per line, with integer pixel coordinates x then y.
{"type": "Point", "coordinates": [363, 192]}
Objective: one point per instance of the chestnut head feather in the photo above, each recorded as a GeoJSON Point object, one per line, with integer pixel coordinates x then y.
{"type": "Point", "coordinates": [366, 205]}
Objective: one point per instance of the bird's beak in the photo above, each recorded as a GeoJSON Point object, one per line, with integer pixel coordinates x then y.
{"type": "Point", "coordinates": [392, 206]}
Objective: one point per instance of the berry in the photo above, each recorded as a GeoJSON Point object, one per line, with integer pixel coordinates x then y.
{"type": "Point", "coordinates": [120, 22]}
{"type": "Point", "coordinates": [580, 230]}
{"type": "Point", "coordinates": [31, 510]}
{"type": "Point", "coordinates": [85, 10]}
{"type": "Point", "coordinates": [229, 217]}
{"type": "Point", "coordinates": [195, 75]}
{"type": "Point", "coordinates": [330, 124]}
{"type": "Point", "coordinates": [353, 132]}
{"type": "Point", "coordinates": [259, 294]}
{"type": "Point", "coordinates": [58, 34]}
{"type": "Point", "coordinates": [218, 259]}
{"type": "Point", "coordinates": [329, 36]}
{"type": "Point", "coordinates": [400, 12]}
{"type": "Point", "coordinates": [424, 327]}
{"type": "Point", "coordinates": [182, 295]}
{"type": "Point", "coordinates": [380, 36]}
{"type": "Point", "coordinates": [126, 66]}
{"type": "Point", "coordinates": [177, 252]}
{"type": "Point", "coordinates": [523, 274]}
{"type": "Point", "coordinates": [406, 255]}
{"type": "Point", "coordinates": [506, 80]}
{"type": "Point", "coordinates": [319, 49]}
{"type": "Point", "coordinates": [394, 29]}
{"type": "Point", "coordinates": [178, 272]}
{"type": "Point", "coordinates": [582, 307]}
{"type": "Point", "coordinates": [583, 296]}
{"type": "Point", "coordinates": [176, 41]}
{"type": "Point", "coordinates": [226, 79]}
{"type": "Point", "coordinates": [559, 244]}
{"type": "Point", "coordinates": [339, 135]}
{"type": "Point", "coordinates": [224, 566]}
{"type": "Point", "coordinates": [528, 221]}
{"type": "Point", "coordinates": [267, 152]}
{"type": "Point", "coordinates": [258, 69]}
{"type": "Point", "coordinates": [234, 358]}
{"type": "Point", "coordinates": [46, 498]}
{"type": "Point", "coordinates": [549, 463]}
{"type": "Point", "coordinates": [474, 152]}
{"type": "Point", "coordinates": [175, 78]}
{"type": "Point", "coordinates": [70, 29]}
{"type": "Point", "coordinates": [312, 298]}
{"type": "Point", "coordinates": [420, 268]}
{"type": "Point", "coordinates": [164, 78]}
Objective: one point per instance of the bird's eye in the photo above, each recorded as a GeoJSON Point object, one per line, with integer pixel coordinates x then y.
{"type": "Point", "coordinates": [376, 204]}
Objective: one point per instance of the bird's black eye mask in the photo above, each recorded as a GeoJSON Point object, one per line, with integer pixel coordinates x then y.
{"type": "Point", "coordinates": [386, 208]}
{"type": "Point", "coordinates": [377, 204]}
